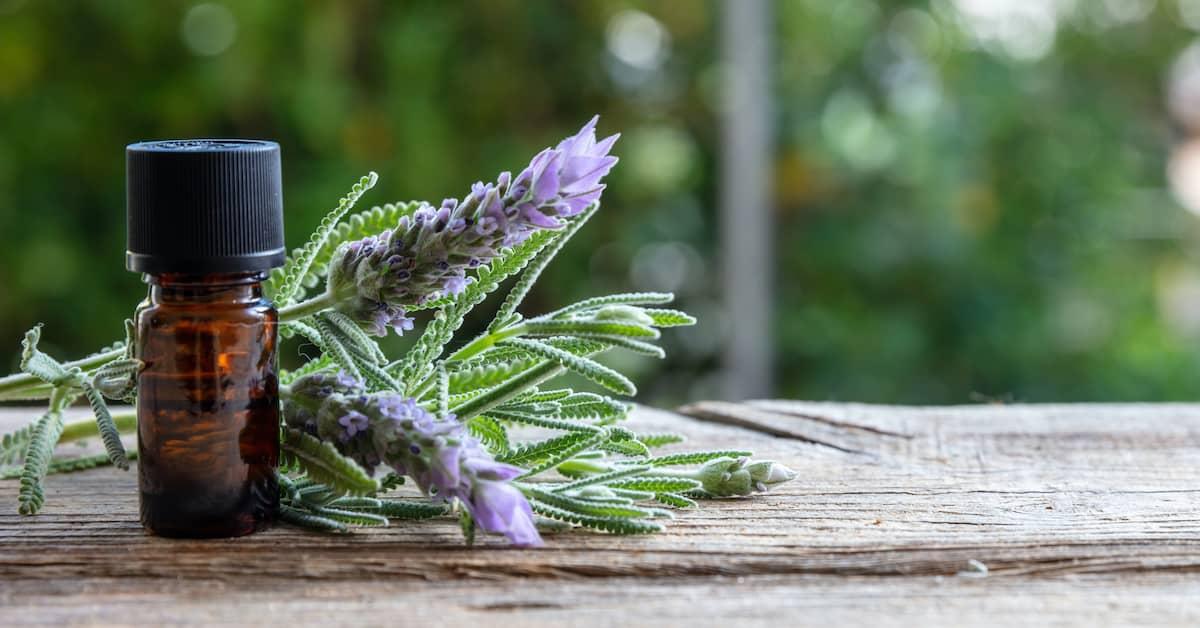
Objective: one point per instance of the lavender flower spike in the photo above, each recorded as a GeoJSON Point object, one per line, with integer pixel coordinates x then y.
{"type": "Point", "coordinates": [429, 252]}
{"type": "Point", "coordinates": [439, 454]}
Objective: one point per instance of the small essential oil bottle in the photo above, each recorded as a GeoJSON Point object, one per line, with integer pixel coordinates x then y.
{"type": "Point", "coordinates": [205, 225]}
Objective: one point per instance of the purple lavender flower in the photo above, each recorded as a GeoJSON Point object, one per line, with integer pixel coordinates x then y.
{"type": "Point", "coordinates": [430, 251]}
{"type": "Point", "coordinates": [439, 454]}
{"type": "Point", "coordinates": [353, 422]}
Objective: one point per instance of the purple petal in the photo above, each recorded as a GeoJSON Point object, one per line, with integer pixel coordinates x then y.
{"type": "Point", "coordinates": [530, 213]}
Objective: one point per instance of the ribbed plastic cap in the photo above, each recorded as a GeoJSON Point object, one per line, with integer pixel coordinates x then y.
{"type": "Point", "coordinates": [203, 206]}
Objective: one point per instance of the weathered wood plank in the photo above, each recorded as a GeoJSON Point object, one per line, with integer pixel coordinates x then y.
{"type": "Point", "coordinates": [1079, 514]}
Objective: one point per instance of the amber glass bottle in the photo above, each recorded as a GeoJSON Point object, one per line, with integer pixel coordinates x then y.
{"type": "Point", "coordinates": [205, 224]}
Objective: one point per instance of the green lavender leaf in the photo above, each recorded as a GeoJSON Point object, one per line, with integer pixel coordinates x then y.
{"type": "Point", "coordinates": [695, 457]}
{"type": "Point", "coordinates": [14, 444]}
{"type": "Point", "coordinates": [320, 363]}
{"type": "Point", "coordinates": [594, 303]}
{"type": "Point", "coordinates": [332, 344]}
{"type": "Point", "coordinates": [604, 478]}
{"type": "Point", "coordinates": [585, 507]}
{"type": "Point", "coordinates": [418, 362]}
{"type": "Point", "coordinates": [659, 439]}
{"type": "Point", "coordinates": [69, 465]}
{"type": "Point", "coordinates": [589, 369]}
{"type": "Point", "coordinates": [536, 266]}
{"type": "Point", "coordinates": [109, 434]}
{"type": "Point", "coordinates": [676, 500]}
{"type": "Point", "coordinates": [357, 226]}
{"type": "Point", "coordinates": [491, 433]}
{"type": "Point", "coordinates": [305, 519]}
{"type": "Point", "coordinates": [637, 346]}
{"type": "Point", "coordinates": [546, 395]}
{"type": "Point", "coordinates": [321, 461]}
{"type": "Point", "coordinates": [589, 329]}
{"type": "Point", "coordinates": [540, 421]}
{"type": "Point", "coordinates": [616, 525]}
{"type": "Point", "coordinates": [483, 374]}
{"type": "Point", "coordinates": [408, 509]}
{"type": "Point", "coordinates": [656, 484]}
{"type": "Point", "coordinates": [39, 364]}
{"type": "Point", "coordinates": [286, 284]}
{"type": "Point", "coordinates": [38, 454]}
{"type": "Point", "coordinates": [543, 449]}
{"type": "Point", "coordinates": [670, 318]}
{"type": "Point", "coordinates": [354, 337]}
{"type": "Point", "coordinates": [501, 394]}
{"type": "Point", "coordinates": [351, 517]}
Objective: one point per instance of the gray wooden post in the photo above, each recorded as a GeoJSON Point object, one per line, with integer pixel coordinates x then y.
{"type": "Point", "coordinates": [746, 190]}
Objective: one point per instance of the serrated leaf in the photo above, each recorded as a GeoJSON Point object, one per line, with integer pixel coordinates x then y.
{"type": "Point", "coordinates": [589, 329]}
{"type": "Point", "coordinates": [305, 519]}
{"type": "Point", "coordinates": [490, 433]}
{"type": "Point", "coordinates": [628, 298]}
{"type": "Point", "coordinates": [537, 265]}
{"type": "Point", "coordinates": [38, 454]}
{"type": "Point", "coordinates": [616, 525]}
{"type": "Point", "coordinates": [324, 463]}
{"type": "Point", "coordinates": [656, 484]}
{"type": "Point", "coordinates": [590, 369]}
{"type": "Point", "coordinates": [694, 457]}
{"type": "Point", "coordinates": [670, 318]}
{"type": "Point", "coordinates": [109, 434]}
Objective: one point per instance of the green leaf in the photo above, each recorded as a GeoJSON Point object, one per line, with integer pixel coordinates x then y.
{"type": "Point", "coordinates": [490, 433]}
{"type": "Point", "coordinates": [305, 519]}
{"type": "Point", "coordinates": [419, 360]}
{"type": "Point", "coordinates": [540, 450]}
{"type": "Point", "coordinates": [655, 484]}
{"type": "Point", "coordinates": [38, 454]}
{"type": "Point", "coordinates": [695, 457]}
{"type": "Point", "coordinates": [69, 465]}
{"type": "Point", "coordinates": [351, 517]}
{"type": "Point", "coordinates": [616, 525]}
{"type": "Point", "coordinates": [322, 462]}
{"type": "Point", "coordinates": [536, 266]}
{"type": "Point", "coordinates": [590, 369]}
{"type": "Point", "coordinates": [499, 395]}
{"type": "Point", "coordinates": [331, 343]}
{"type": "Point", "coordinates": [589, 329]}
{"type": "Point", "coordinates": [629, 298]}
{"type": "Point", "coordinates": [678, 501]}
{"type": "Point", "coordinates": [585, 507]}
{"type": "Point", "coordinates": [670, 318]}
{"type": "Point", "coordinates": [320, 363]}
{"type": "Point", "coordinates": [14, 444]}
{"type": "Point", "coordinates": [357, 226]}
{"type": "Point", "coordinates": [659, 439]}
{"type": "Point", "coordinates": [408, 509]}
{"type": "Point", "coordinates": [484, 375]}
{"type": "Point", "coordinates": [354, 337]}
{"type": "Point", "coordinates": [39, 364]}
{"type": "Point", "coordinates": [638, 347]}
{"type": "Point", "coordinates": [603, 478]}
{"type": "Point", "coordinates": [286, 283]}
{"type": "Point", "coordinates": [546, 422]}
{"type": "Point", "coordinates": [109, 434]}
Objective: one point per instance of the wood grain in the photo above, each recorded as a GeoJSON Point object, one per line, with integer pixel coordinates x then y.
{"type": "Point", "coordinates": [977, 515]}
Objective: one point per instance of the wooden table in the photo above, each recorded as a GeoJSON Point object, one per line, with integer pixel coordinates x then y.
{"type": "Point", "coordinates": [983, 515]}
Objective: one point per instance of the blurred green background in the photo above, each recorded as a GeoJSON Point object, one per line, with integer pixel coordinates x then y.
{"type": "Point", "coordinates": [973, 199]}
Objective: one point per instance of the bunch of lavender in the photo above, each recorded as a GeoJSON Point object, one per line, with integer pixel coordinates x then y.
{"type": "Point", "coordinates": [478, 430]}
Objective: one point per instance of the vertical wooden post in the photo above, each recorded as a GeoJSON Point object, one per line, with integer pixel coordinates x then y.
{"type": "Point", "coordinates": [747, 260]}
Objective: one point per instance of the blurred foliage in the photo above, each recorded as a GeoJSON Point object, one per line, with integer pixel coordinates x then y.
{"type": "Point", "coordinates": [954, 217]}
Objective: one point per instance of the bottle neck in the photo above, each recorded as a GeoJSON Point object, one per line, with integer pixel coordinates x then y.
{"type": "Point", "coordinates": [206, 289]}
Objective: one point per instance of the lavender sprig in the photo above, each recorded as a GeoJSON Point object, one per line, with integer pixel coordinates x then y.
{"type": "Point", "coordinates": [429, 253]}
{"type": "Point", "coordinates": [446, 462]}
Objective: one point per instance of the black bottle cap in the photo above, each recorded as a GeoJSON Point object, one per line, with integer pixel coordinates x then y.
{"type": "Point", "coordinates": [203, 206]}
